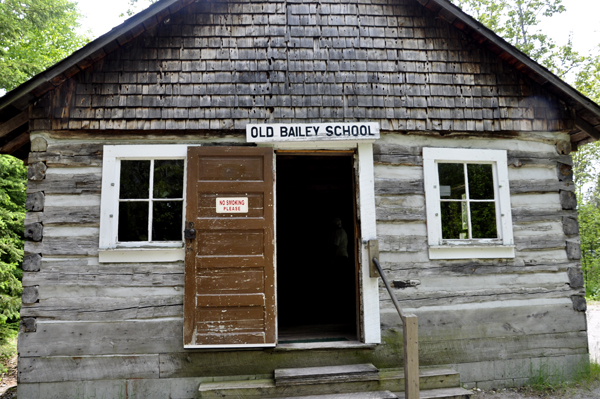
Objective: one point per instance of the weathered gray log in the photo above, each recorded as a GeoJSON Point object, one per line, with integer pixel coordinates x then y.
{"type": "Point", "coordinates": [412, 298]}
{"type": "Point", "coordinates": [105, 338]}
{"type": "Point", "coordinates": [32, 263]}
{"type": "Point", "coordinates": [573, 249]}
{"type": "Point", "coordinates": [564, 172]}
{"type": "Point", "coordinates": [36, 171]}
{"type": "Point", "coordinates": [38, 144]}
{"type": "Point", "coordinates": [400, 214]}
{"type": "Point", "coordinates": [87, 183]}
{"type": "Point", "coordinates": [35, 231]}
{"type": "Point", "coordinates": [70, 155]}
{"type": "Point", "coordinates": [106, 279]}
{"type": "Point", "coordinates": [568, 200]}
{"type": "Point", "coordinates": [398, 159]}
{"type": "Point", "coordinates": [81, 245]}
{"type": "Point", "coordinates": [106, 308]}
{"type": "Point", "coordinates": [575, 277]}
{"type": "Point", "coordinates": [83, 265]}
{"type": "Point", "coordinates": [502, 321]}
{"type": "Point", "coordinates": [525, 244]}
{"type": "Point", "coordinates": [35, 202]}
{"type": "Point", "coordinates": [393, 186]}
{"type": "Point", "coordinates": [89, 215]}
{"type": "Point", "coordinates": [30, 295]}
{"type": "Point", "coordinates": [55, 369]}
{"type": "Point", "coordinates": [539, 215]}
{"type": "Point", "coordinates": [539, 186]}
{"type": "Point", "coordinates": [570, 225]}
{"type": "Point", "coordinates": [402, 243]}
{"type": "Point", "coordinates": [29, 324]}
{"type": "Point", "coordinates": [563, 147]}
{"type": "Point", "coordinates": [520, 158]}
{"type": "Point", "coordinates": [579, 303]}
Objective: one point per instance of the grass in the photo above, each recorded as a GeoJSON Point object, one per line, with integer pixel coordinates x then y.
{"type": "Point", "coordinates": [545, 380]}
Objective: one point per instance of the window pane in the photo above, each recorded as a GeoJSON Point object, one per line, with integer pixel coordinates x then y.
{"type": "Point", "coordinates": [481, 181]}
{"type": "Point", "coordinates": [452, 180]}
{"type": "Point", "coordinates": [135, 179]}
{"type": "Point", "coordinates": [133, 221]}
{"type": "Point", "coordinates": [167, 221]}
{"type": "Point", "coordinates": [483, 219]}
{"type": "Point", "coordinates": [454, 220]}
{"type": "Point", "coordinates": [168, 178]}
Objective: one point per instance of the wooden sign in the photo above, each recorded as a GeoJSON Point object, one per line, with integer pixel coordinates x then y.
{"type": "Point", "coordinates": [290, 132]}
{"type": "Point", "coordinates": [232, 205]}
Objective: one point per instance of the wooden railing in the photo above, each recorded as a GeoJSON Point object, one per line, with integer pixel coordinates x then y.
{"type": "Point", "coordinates": [410, 329]}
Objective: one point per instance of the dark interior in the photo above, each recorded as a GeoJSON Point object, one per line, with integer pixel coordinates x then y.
{"type": "Point", "coordinates": [316, 289]}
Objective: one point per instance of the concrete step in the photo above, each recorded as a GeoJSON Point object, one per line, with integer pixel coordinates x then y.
{"type": "Point", "coordinates": [444, 393]}
{"type": "Point", "coordinates": [388, 380]}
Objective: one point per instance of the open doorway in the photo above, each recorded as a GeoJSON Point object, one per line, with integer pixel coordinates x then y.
{"type": "Point", "coordinates": [316, 247]}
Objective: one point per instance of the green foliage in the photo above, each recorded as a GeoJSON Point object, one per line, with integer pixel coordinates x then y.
{"type": "Point", "coordinates": [517, 20]}
{"type": "Point", "coordinates": [8, 349]}
{"type": "Point", "coordinates": [588, 79]}
{"type": "Point", "coordinates": [587, 171]}
{"type": "Point", "coordinates": [35, 34]}
{"type": "Point", "coordinates": [13, 177]}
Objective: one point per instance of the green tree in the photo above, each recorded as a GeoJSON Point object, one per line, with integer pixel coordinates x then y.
{"type": "Point", "coordinates": [587, 171]}
{"type": "Point", "coordinates": [13, 177]}
{"type": "Point", "coordinates": [34, 35]}
{"type": "Point", "coordinates": [588, 79]}
{"type": "Point", "coordinates": [517, 21]}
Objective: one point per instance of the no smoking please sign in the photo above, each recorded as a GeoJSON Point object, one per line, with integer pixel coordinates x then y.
{"type": "Point", "coordinates": [232, 205]}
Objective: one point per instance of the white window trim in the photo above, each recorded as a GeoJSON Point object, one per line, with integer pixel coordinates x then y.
{"type": "Point", "coordinates": [467, 249]}
{"type": "Point", "coordinates": [109, 249]}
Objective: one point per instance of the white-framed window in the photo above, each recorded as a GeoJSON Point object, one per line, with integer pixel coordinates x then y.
{"type": "Point", "coordinates": [467, 197]}
{"type": "Point", "coordinates": [143, 203]}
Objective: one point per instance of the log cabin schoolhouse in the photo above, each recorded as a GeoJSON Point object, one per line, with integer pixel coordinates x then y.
{"type": "Point", "coordinates": [210, 180]}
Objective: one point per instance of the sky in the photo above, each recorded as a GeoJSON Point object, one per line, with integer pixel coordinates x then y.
{"type": "Point", "coordinates": [582, 19]}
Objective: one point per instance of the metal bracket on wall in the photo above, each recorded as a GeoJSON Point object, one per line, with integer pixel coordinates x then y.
{"type": "Point", "coordinates": [373, 248]}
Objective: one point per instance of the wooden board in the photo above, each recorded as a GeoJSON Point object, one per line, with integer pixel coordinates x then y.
{"type": "Point", "coordinates": [323, 375]}
{"type": "Point", "coordinates": [125, 337]}
{"type": "Point", "coordinates": [230, 275]}
{"type": "Point", "coordinates": [57, 369]}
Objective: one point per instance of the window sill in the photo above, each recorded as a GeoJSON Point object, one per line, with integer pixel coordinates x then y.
{"type": "Point", "coordinates": [131, 255]}
{"type": "Point", "coordinates": [472, 251]}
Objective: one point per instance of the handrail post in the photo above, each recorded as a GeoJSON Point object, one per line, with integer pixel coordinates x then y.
{"type": "Point", "coordinates": [410, 332]}
{"type": "Point", "coordinates": [411, 356]}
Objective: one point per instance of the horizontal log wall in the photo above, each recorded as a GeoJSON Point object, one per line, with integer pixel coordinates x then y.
{"type": "Point", "coordinates": [471, 311]}
{"type": "Point", "coordinates": [125, 320]}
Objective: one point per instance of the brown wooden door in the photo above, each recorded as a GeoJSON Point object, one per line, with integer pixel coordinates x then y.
{"type": "Point", "coordinates": [229, 266]}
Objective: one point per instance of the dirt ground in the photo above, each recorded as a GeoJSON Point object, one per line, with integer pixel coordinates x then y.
{"type": "Point", "coordinates": [592, 392]}
{"type": "Point", "coordinates": [8, 382]}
